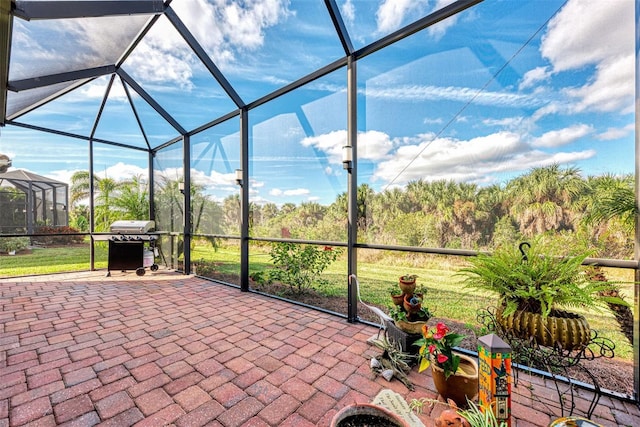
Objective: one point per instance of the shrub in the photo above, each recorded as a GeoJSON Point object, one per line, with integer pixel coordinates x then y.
{"type": "Point", "coordinates": [299, 266]}
{"type": "Point", "coordinates": [55, 235]}
{"type": "Point", "coordinates": [8, 244]}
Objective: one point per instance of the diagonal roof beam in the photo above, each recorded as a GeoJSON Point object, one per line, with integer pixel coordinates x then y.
{"type": "Point", "coordinates": [152, 102]}
{"type": "Point", "coordinates": [31, 10]}
{"type": "Point", "coordinates": [51, 79]}
{"type": "Point", "coordinates": [338, 22]}
{"type": "Point", "coordinates": [203, 56]}
{"type": "Point", "coordinates": [5, 49]}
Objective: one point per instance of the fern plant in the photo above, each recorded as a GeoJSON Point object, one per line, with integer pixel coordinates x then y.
{"type": "Point", "coordinates": [536, 281]}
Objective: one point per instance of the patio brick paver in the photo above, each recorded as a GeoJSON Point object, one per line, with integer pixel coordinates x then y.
{"type": "Point", "coordinates": [83, 349]}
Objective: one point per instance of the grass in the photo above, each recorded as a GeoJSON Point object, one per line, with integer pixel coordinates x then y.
{"type": "Point", "coordinates": [51, 260]}
{"type": "Point", "coordinates": [445, 296]}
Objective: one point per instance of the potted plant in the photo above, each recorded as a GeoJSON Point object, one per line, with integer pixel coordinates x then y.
{"type": "Point", "coordinates": [396, 295]}
{"type": "Point", "coordinates": [533, 287]}
{"type": "Point", "coordinates": [455, 376]}
{"type": "Point", "coordinates": [412, 303]}
{"type": "Point", "coordinates": [407, 283]}
{"type": "Point", "coordinates": [410, 322]}
{"type": "Point", "coordinates": [362, 414]}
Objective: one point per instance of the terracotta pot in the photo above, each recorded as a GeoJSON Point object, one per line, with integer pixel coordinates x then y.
{"type": "Point", "coordinates": [406, 286]}
{"type": "Point", "coordinates": [408, 306]}
{"type": "Point", "coordinates": [460, 386]}
{"type": "Point", "coordinates": [370, 411]}
{"type": "Point", "coordinates": [397, 299]}
{"type": "Point", "coordinates": [560, 328]}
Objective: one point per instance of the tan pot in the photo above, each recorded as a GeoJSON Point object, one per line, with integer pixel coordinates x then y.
{"type": "Point", "coordinates": [570, 331]}
{"type": "Point", "coordinates": [460, 386]}
{"type": "Point", "coordinates": [411, 327]}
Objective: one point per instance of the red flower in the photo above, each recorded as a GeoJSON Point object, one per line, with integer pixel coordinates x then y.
{"type": "Point", "coordinates": [328, 248]}
{"type": "Point", "coordinates": [441, 329]}
{"type": "Point", "coordinates": [442, 358]}
{"type": "Point", "coordinates": [432, 348]}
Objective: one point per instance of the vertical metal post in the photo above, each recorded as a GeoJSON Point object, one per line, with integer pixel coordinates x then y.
{"type": "Point", "coordinates": [67, 208]}
{"type": "Point", "coordinates": [186, 164]}
{"type": "Point", "coordinates": [352, 188]}
{"type": "Point", "coordinates": [636, 311]}
{"type": "Point", "coordinates": [244, 200]}
{"type": "Point", "coordinates": [151, 192]}
{"type": "Point", "coordinates": [54, 200]}
{"type": "Point", "coordinates": [92, 216]}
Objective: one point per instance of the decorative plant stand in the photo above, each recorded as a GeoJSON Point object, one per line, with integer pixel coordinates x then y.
{"type": "Point", "coordinates": [554, 360]}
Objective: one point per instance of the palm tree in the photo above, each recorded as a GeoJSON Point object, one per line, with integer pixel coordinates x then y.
{"type": "Point", "coordinates": [544, 199]}
{"type": "Point", "coordinates": [612, 197]}
{"type": "Point", "coordinates": [104, 191]}
{"type": "Point", "coordinates": [133, 199]}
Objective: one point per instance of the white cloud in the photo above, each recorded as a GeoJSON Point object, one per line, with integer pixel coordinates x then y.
{"type": "Point", "coordinates": [391, 13]}
{"type": "Point", "coordinates": [453, 93]}
{"type": "Point", "coordinates": [330, 143]}
{"type": "Point", "coordinates": [592, 34]}
{"type": "Point", "coordinates": [532, 77]}
{"type": "Point", "coordinates": [239, 25]}
{"type": "Point", "coordinates": [475, 160]}
{"type": "Point", "coordinates": [612, 88]}
{"type": "Point", "coordinates": [438, 30]}
{"type": "Point", "coordinates": [348, 11]}
{"type": "Point", "coordinates": [586, 32]}
{"type": "Point", "coordinates": [557, 138]}
{"type": "Point", "coordinates": [617, 133]}
{"type": "Point", "coordinates": [276, 192]}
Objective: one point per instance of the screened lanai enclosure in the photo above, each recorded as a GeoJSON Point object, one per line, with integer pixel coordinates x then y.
{"type": "Point", "coordinates": [368, 137]}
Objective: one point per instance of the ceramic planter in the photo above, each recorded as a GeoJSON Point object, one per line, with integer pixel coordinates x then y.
{"type": "Point", "coordinates": [460, 386]}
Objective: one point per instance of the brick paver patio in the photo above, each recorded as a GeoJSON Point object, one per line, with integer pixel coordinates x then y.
{"type": "Point", "coordinates": [175, 350]}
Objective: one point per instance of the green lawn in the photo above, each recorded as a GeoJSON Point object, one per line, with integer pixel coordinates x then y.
{"type": "Point", "coordinates": [51, 260]}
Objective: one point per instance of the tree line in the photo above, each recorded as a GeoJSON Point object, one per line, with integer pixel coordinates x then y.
{"type": "Point", "coordinates": [597, 212]}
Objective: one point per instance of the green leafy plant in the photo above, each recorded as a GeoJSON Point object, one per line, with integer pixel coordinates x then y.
{"type": "Point", "coordinates": [408, 277]}
{"type": "Point", "coordinates": [476, 415]}
{"type": "Point", "coordinates": [436, 345]}
{"type": "Point", "coordinates": [300, 266]}
{"type": "Point", "coordinates": [9, 244]}
{"type": "Point", "coordinates": [397, 313]}
{"type": "Point", "coordinates": [394, 290]}
{"type": "Point", "coordinates": [536, 281]}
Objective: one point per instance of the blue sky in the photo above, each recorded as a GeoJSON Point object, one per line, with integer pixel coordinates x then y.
{"type": "Point", "coordinates": [480, 97]}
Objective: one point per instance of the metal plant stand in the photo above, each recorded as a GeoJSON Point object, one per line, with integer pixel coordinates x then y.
{"type": "Point", "coordinates": [554, 360]}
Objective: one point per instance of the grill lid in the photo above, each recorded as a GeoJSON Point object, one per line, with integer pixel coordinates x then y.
{"type": "Point", "coordinates": [128, 227]}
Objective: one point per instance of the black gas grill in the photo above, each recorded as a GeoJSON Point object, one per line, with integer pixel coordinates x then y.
{"type": "Point", "coordinates": [131, 247]}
